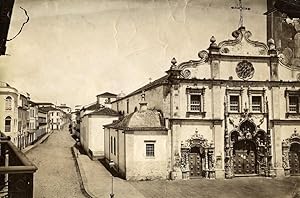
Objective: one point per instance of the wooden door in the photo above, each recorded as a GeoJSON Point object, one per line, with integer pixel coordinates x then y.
{"type": "Point", "coordinates": [195, 163]}
{"type": "Point", "coordinates": [294, 159]}
{"type": "Point", "coordinates": [244, 162]}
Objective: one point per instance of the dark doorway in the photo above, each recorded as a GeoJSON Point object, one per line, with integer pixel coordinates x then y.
{"type": "Point", "coordinates": [195, 162]}
{"type": "Point", "coordinates": [244, 157]}
{"type": "Point", "coordinates": [294, 159]}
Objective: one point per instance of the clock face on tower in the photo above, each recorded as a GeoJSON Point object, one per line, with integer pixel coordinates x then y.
{"type": "Point", "coordinates": [244, 70]}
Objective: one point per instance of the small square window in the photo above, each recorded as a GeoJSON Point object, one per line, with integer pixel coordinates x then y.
{"type": "Point", "coordinates": [150, 150]}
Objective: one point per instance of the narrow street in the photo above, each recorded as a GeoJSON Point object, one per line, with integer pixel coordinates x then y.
{"type": "Point", "coordinates": [56, 175]}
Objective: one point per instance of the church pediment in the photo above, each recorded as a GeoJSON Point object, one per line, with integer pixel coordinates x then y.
{"type": "Point", "coordinates": [189, 68]}
{"type": "Point", "coordinates": [242, 45]}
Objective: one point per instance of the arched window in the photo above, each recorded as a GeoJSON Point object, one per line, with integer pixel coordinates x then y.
{"type": "Point", "coordinates": [8, 102]}
{"type": "Point", "coordinates": [8, 124]}
{"type": "Point", "coordinates": [114, 146]}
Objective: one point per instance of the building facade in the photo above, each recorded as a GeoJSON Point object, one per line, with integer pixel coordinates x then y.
{"type": "Point", "coordinates": [9, 111]}
{"type": "Point", "coordinates": [231, 113]}
{"type": "Point", "coordinates": [92, 119]}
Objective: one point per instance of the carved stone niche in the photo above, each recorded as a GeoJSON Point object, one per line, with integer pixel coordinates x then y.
{"type": "Point", "coordinates": [286, 146]}
{"type": "Point", "coordinates": [207, 152]}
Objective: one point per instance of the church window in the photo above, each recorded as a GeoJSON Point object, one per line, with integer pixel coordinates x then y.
{"type": "Point", "coordinates": [292, 101]}
{"type": "Point", "coordinates": [195, 100]}
{"type": "Point", "coordinates": [150, 150]}
{"type": "Point", "coordinates": [111, 144]}
{"type": "Point", "coordinates": [256, 103]}
{"type": "Point", "coordinates": [195, 103]}
{"type": "Point", "coordinates": [234, 103]}
{"type": "Point", "coordinates": [7, 124]}
{"type": "Point", "coordinates": [294, 104]}
{"type": "Point", "coordinates": [8, 102]}
{"type": "Point", "coordinates": [127, 105]}
{"type": "Point", "coordinates": [114, 146]}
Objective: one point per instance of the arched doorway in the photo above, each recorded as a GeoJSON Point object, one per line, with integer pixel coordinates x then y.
{"type": "Point", "coordinates": [291, 154]}
{"type": "Point", "coordinates": [246, 151]}
{"type": "Point", "coordinates": [244, 157]}
{"type": "Point", "coordinates": [294, 159]}
{"type": "Point", "coordinates": [196, 159]}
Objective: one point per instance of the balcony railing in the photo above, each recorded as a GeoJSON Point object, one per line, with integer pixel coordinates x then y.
{"type": "Point", "coordinates": [16, 171]}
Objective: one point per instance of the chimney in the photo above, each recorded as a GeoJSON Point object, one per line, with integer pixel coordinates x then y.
{"type": "Point", "coordinates": [143, 103]}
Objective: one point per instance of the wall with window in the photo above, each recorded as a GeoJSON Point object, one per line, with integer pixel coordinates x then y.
{"type": "Point", "coordinates": [114, 149]}
{"type": "Point", "coordinates": [55, 119]}
{"type": "Point", "coordinates": [147, 155]}
{"type": "Point", "coordinates": [9, 112]}
{"type": "Point", "coordinates": [138, 154]}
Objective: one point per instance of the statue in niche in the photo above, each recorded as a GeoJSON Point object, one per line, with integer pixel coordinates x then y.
{"type": "Point", "coordinates": [289, 45]}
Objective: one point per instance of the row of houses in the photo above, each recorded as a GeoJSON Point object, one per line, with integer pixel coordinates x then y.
{"type": "Point", "coordinates": [24, 120]}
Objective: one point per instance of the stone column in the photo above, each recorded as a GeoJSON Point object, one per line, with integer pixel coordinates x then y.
{"type": "Point", "coordinates": [285, 158]}
{"type": "Point", "coordinates": [273, 60]}
{"type": "Point", "coordinates": [206, 163]}
{"type": "Point", "coordinates": [219, 151]}
{"type": "Point", "coordinates": [277, 151]}
{"type": "Point", "coordinates": [297, 45]}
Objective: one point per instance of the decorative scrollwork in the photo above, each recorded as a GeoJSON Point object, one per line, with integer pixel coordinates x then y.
{"type": "Point", "coordinates": [298, 76]}
{"type": "Point", "coordinates": [244, 70]}
{"type": "Point", "coordinates": [285, 160]}
{"type": "Point", "coordinates": [203, 55]}
{"type": "Point", "coordinates": [186, 73]}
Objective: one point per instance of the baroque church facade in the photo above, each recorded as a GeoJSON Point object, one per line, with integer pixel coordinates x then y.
{"type": "Point", "coordinates": [233, 112]}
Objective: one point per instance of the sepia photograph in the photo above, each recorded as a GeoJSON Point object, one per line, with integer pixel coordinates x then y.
{"type": "Point", "coordinates": [149, 98]}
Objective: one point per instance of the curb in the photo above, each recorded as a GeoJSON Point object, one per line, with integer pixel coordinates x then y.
{"type": "Point", "coordinates": [82, 187]}
{"type": "Point", "coordinates": [40, 141]}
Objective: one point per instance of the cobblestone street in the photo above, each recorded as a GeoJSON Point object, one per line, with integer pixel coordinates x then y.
{"type": "Point", "coordinates": [56, 175]}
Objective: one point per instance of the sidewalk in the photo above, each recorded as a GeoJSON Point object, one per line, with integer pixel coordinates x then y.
{"type": "Point", "coordinates": [97, 181]}
{"type": "Point", "coordinates": [28, 148]}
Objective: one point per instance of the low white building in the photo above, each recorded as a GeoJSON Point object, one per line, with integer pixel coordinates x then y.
{"type": "Point", "coordinates": [138, 144]}
{"type": "Point", "coordinates": [92, 119]}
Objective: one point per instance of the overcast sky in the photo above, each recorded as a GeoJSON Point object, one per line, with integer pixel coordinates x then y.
{"type": "Point", "coordinates": [72, 50]}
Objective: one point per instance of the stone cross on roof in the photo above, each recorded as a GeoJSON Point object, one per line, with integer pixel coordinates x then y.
{"type": "Point", "coordinates": [241, 8]}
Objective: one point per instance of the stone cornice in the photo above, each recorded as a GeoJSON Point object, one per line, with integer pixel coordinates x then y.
{"type": "Point", "coordinates": [236, 83]}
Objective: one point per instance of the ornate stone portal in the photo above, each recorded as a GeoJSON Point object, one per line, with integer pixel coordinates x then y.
{"type": "Point", "coordinates": [287, 152]}
{"type": "Point", "coordinates": [246, 149]}
{"type": "Point", "coordinates": [204, 154]}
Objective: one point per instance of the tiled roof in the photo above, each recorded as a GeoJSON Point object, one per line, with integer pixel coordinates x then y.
{"type": "Point", "coordinates": [63, 107]}
{"type": "Point", "coordinates": [105, 111]}
{"type": "Point", "coordinates": [107, 94]}
{"type": "Point", "coordinates": [47, 109]}
{"type": "Point", "coordinates": [93, 106]}
{"type": "Point", "coordinates": [32, 103]}
{"type": "Point", "coordinates": [44, 103]}
{"type": "Point", "coordinates": [140, 120]}
{"type": "Point", "coordinates": [160, 81]}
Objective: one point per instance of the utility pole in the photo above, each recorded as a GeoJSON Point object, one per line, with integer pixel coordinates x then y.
{"type": "Point", "coordinates": [111, 164]}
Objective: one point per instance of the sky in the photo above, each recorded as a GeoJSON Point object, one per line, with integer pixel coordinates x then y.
{"type": "Point", "coordinates": [72, 50]}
